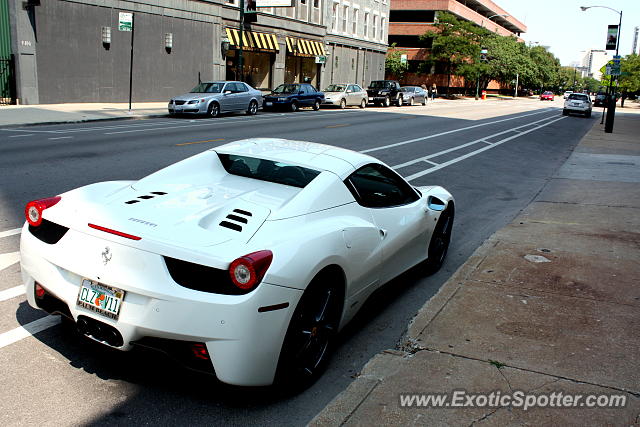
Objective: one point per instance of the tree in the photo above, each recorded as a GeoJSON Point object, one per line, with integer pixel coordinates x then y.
{"type": "Point", "coordinates": [630, 78]}
{"type": "Point", "coordinates": [457, 44]}
{"type": "Point", "coordinates": [393, 62]}
{"type": "Point", "coordinates": [545, 68]}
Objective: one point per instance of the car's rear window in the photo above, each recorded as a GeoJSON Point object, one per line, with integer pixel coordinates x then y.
{"type": "Point", "coordinates": [268, 170]}
{"type": "Point", "coordinates": [579, 97]}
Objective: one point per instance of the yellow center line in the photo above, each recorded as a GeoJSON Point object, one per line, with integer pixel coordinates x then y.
{"type": "Point", "coordinates": [338, 126]}
{"type": "Point", "coordinates": [199, 142]}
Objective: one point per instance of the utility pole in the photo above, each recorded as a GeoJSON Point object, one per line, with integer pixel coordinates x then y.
{"type": "Point", "coordinates": [240, 58]}
{"type": "Point", "coordinates": [608, 125]}
{"type": "Point", "coordinates": [133, 31]}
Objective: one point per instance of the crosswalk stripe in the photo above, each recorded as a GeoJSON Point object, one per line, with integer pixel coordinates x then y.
{"type": "Point", "coordinates": [11, 293]}
{"type": "Point", "coordinates": [7, 260]}
{"type": "Point", "coordinates": [24, 331]}
{"type": "Point", "coordinates": [8, 233]}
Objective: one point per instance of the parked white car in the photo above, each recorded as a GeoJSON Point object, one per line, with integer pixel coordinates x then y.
{"type": "Point", "coordinates": [244, 260]}
{"type": "Point", "coordinates": [567, 93]}
{"type": "Point", "coordinates": [344, 95]}
{"type": "Point", "coordinates": [578, 103]}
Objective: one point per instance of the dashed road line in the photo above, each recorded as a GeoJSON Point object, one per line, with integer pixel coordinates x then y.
{"type": "Point", "coordinates": [61, 137]}
{"type": "Point", "coordinates": [8, 233]}
{"type": "Point", "coordinates": [7, 260]}
{"type": "Point", "coordinates": [24, 331]}
{"type": "Point", "coordinates": [11, 293]}
{"type": "Point", "coordinates": [20, 136]}
{"type": "Point", "coordinates": [199, 142]}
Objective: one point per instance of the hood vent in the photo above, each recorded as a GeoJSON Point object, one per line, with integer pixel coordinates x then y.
{"type": "Point", "coordinates": [146, 197]}
{"type": "Point", "coordinates": [238, 220]}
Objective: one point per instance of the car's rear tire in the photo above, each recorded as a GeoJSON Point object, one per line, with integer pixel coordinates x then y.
{"type": "Point", "coordinates": [440, 239]}
{"type": "Point", "coordinates": [310, 337]}
{"type": "Point", "coordinates": [565, 112]}
{"type": "Point", "coordinates": [411, 101]}
{"type": "Point", "coordinates": [386, 102]}
{"type": "Point", "coordinates": [213, 110]}
{"type": "Point", "coordinates": [252, 110]}
{"type": "Point", "coordinates": [400, 101]}
{"type": "Point", "coordinates": [343, 104]}
{"type": "Point", "coordinates": [316, 105]}
{"type": "Point", "coordinates": [424, 101]}
{"type": "Point", "coordinates": [363, 103]}
{"type": "Point", "coordinates": [587, 114]}
{"type": "Point", "coordinates": [294, 106]}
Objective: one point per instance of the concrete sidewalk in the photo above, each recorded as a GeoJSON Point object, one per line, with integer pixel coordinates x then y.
{"type": "Point", "coordinates": [550, 303]}
{"type": "Point", "coordinates": [20, 115]}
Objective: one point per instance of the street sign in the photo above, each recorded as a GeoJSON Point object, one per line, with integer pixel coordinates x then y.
{"type": "Point", "coordinates": [125, 21]}
{"type": "Point", "coordinates": [613, 70]}
{"type": "Point", "coordinates": [404, 58]}
{"type": "Point", "coordinates": [321, 59]}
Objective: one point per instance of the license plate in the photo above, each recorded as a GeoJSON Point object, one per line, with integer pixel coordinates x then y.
{"type": "Point", "coordinates": [268, 104]}
{"type": "Point", "coordinates": [101, 299]}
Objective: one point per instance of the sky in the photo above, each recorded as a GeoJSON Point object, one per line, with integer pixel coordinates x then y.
{"type": "Point", "coordinates": [568, 31]}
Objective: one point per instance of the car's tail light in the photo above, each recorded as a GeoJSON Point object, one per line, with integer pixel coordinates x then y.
{"type": "Point", "coordinates": [247, 271]}
{"type": "Point", "coordinates": [33, 210]}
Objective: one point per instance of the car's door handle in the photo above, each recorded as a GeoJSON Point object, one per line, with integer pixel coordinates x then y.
{"type": "Point", "coordinates": [383, 233]}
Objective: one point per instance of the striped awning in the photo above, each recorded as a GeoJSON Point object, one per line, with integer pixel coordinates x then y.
{"type": "Point", "coordinates": [305, 47]}
{"type": "Point", "coordinates": [253, 40]}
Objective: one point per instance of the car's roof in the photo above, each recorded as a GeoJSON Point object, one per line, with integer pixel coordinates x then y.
{"type": "Point", "coordinates": [222, 81]}
{"type": "Point", "coordinates": [315, 156]}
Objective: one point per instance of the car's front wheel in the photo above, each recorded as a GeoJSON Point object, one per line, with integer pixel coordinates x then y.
{"type": "Point", "coordinates": [411, 101]}
{"type": "Point", "coordinates": [214, 110]}
{"type": "Point", "coordinates": [252, 110]}
{"type": "Point", "coordinates": [386, 102]}
{"type": "Point", "coordinates": [440, 239]}
{"type": "Point", "coordinates": [310, 336]}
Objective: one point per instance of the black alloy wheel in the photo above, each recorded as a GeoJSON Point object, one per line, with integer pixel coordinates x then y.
{"type": "Point", "coordinates": [310, 337]}
{"type": "Point", "coordinates": [440, 239]}
{"type": "Point", "coordinates": [252, 110]}
{"type": "Point", "coordinates": [214, 110]}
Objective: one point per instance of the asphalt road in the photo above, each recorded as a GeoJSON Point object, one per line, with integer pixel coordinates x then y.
{"type": "Point", "coordinates": [494, 157]}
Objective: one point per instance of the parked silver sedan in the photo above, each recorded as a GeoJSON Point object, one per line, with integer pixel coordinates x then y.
{"type": "Point", "coordinates": [345, 94]}
{"type": "Point", "coordinates": [414, 94]}
{"type": "Point", "coordinates": [213, 98]}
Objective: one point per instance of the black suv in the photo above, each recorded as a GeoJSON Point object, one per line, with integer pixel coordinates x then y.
{"type": "Point", "coordinates": [385, 92]}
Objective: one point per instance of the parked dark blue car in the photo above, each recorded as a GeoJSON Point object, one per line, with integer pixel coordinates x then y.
{"type": "Point", "coordinates": [292, 96]}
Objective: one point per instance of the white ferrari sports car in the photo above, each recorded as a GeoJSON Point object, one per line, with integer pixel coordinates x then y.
{"type": "Point", "coordinates": [243, 261]}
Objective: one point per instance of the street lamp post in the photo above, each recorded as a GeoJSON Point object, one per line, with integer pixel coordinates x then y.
{"type": "Point", "coordinates": [482, 26]}
{"type": "Point", "coordinates": [608, 126]}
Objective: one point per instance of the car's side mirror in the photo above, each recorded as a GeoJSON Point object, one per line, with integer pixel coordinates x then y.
{"type": "Point", "coordinates": [435, 204]}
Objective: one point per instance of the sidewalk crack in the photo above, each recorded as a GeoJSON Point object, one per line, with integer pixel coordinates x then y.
{"type": "Point", "coordinates": [484, 417]}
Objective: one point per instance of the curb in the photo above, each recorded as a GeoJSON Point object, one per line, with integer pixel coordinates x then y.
{"type": "Point", "coordinates": [62, 122]}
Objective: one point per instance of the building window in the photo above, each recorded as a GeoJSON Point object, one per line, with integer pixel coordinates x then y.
{"type": "Point", "coordinates": [303, 1]}
{"type": "Point", "coordinates": [374, 33]}
{"type": "Point", "coordinates": [345, 14]}
{"type": "Point", "coordinates": [383, 21]}
{"type": "Point", "coordinates": [354, 24]}
{"type": "Point", "coordinates": [316, 3]}
{"type": "Point", "coordinates": [365, 31]}
{"type": "Point", "coordinates": [335, 17]}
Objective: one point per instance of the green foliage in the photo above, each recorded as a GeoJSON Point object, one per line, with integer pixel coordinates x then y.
{"type": "Point", "coordinates": [630, 78]}
{"type": "Point", "coordinates": [393, 62]}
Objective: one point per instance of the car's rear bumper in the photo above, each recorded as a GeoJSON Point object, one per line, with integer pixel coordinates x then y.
{"type": "Point", "coordinates": [577, 109]}
{"type": "Point", "coordinates": [241, 337]}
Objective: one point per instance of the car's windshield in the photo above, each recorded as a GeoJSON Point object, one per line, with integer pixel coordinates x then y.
{"type": "Point", "coordinates": [548, 93]}
{"type": "Point", "coordinates": [579, 97]}
{"type": "Point", "coordinates": [208, 88]}
{"type": "Point", "coordinates": [377, 84]}
{"type": "Point", "coordinates": [287, 88]}
{"type": "Point", "coordinates": [268, 170]}
{"type": "Point", "coordinates": [335, 88]}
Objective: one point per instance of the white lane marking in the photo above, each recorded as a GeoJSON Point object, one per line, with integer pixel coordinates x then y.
{"type": "Point", "coordinates": [458, 147]}
{"type": "Point", "coordinates": [7, 260]}
{"type": "Point", "coordinates": [473, 153]}
{"type": "Point", "coordinates": [20, 136]}
{"type": "Point", "coordinates": [431, 163]}
{"type": "Point", "coordinates": [32, 328]}
{"type": "Point", "coordinates": [210, 122]}
{"type": "Point", "coordinates": [11, 293]}
{"type": "Point", "coordinates": [61, 137]}
{"type": "Point", "coordinates": [8, 233]}
{"type": "Point", "coordinates": [410, 141]}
